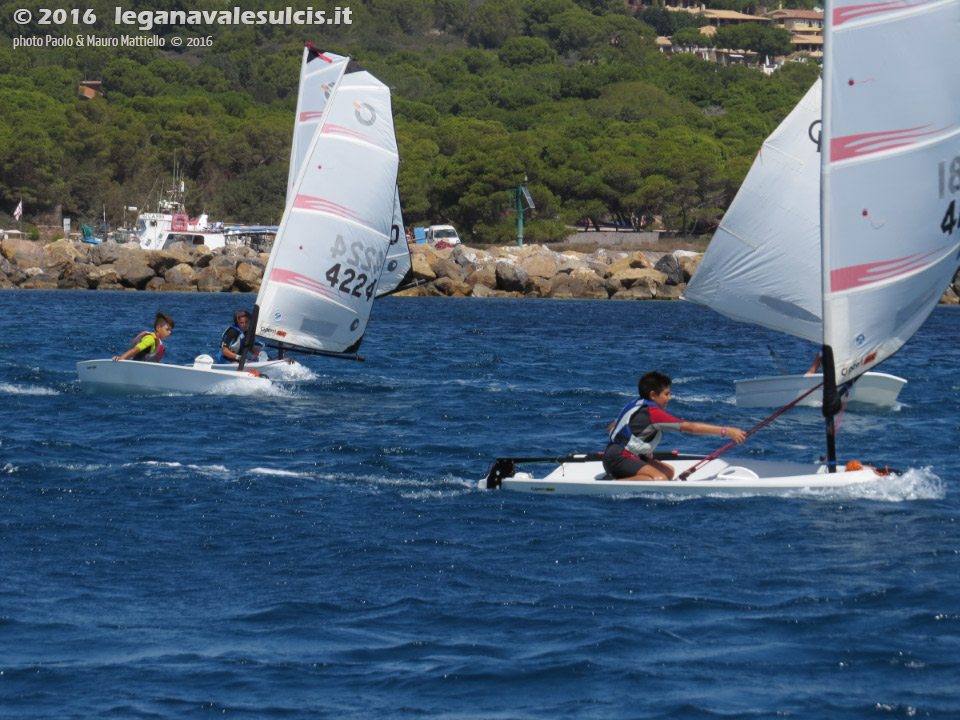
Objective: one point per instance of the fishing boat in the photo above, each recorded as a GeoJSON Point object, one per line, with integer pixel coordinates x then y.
{"type": "Point", "coordinates": [880, 210]}
{"type": "Point", "coordinates": [337, 230]}
{"type": "Point", "coordinates": [167, 222]}
{"type": "Point", "coordinates": [135, 377]}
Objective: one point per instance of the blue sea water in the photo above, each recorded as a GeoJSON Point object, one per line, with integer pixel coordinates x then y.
{"type": "Point", "coordinates": [323, 551]}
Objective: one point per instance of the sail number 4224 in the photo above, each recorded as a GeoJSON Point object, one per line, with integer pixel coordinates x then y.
{"type": "Point", "coordinates": [354, 274]}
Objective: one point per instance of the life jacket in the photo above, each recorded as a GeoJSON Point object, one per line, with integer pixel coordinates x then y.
{"type": "Point", "coordinates": [639, 445]}
{"type": "Point", "coordinates": [154, 355]}
{"type": "Point", "coordinates": [233, 347]}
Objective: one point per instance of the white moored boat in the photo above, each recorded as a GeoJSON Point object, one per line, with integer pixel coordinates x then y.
{"type": "Point", "coordinates": [843, 236]}
{"type": "Point", "coordinates": [872, 388]}
{"type": "Point", "coordinates": [134, 377]}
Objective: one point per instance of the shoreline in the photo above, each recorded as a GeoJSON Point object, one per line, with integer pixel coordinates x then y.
{"type": "Point", "coordinates": [531, 271]}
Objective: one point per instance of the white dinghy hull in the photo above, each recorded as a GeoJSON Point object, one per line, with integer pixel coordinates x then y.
{"type": "Point", "coordinates": [872, 388]}
{"type": "Point", "coordinates": [134, 377]}
{"type": "Point", "coordinates": [717, 477]}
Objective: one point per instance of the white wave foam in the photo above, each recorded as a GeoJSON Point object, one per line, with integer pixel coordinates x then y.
{"type": "Point", "coordinates": [279, 473]}
{"type": "Point", "coordinates": [8, 389]}
{"type": "Point", "coordinates": [701, 399]}
{"type": "Point", "coordinates": [204, 469]}
{"type": "Point", "coordinates": [295, 372]}
{"type": "Point", "coordinates": [913, 484]}
{"type": "Point", "coordinates": [249, 389]}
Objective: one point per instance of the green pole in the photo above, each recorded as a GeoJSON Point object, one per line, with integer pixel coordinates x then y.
{"type": "Point", "coordinates": [519, 195]}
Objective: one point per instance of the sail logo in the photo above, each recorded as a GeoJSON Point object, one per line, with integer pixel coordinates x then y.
{"type": "Point", "coordinates": [365, 114]}
{"type": "Point", "coordinates": [859, 364]}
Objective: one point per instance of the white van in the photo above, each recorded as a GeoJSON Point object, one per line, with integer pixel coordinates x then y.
{"type": "Point", "coordinates": [447, 233]}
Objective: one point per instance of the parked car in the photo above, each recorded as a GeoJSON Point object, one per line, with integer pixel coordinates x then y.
{"type": "Point", "coordinates": [445, 233]}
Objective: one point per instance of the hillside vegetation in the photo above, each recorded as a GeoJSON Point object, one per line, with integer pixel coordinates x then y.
{"type": "Point", "coordinates": [571, 97]}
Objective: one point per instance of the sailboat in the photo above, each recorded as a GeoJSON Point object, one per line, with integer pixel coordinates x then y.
{"type": "Point", "coordinates": [763, 263]}
{"type": "Point", "coordinates": [334, 242]}
{"type": "Point", "coordinates": [332, 246]}
{"type": "Point", "coordinates": [320, 75]}
{"type": "Point", "coordinates": [889, 177]}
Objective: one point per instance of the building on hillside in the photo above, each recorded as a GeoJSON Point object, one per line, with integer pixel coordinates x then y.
{"type": "Point", "coordinates": [810, 45]}
{"type": "Point", "coordinates": [90, 89]}
{"type": "Point", "coordinates": [722, 18]}
{"type": "Point", "coordinates": [799, 22]}
{"type": "Point", "coordinates": [721, 56]}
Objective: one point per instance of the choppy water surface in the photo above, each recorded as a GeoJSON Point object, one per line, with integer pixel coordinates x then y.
{"type": "Point", "coordinates": [323, 550]}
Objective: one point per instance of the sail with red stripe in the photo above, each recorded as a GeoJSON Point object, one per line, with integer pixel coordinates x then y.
{"type": "Point", "coordinates": [890, 174]}
{"type": "Point", "coordinates": [324, 270]}
{"type": "Point", "coordinates": [319, 74]}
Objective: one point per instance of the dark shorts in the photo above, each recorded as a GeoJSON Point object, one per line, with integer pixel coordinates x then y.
{"type": "Point", "coordinates": [620, 463]}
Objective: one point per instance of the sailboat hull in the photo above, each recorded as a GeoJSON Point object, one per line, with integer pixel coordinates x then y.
{"type": "Point", "coordinates": [717, 477]}
{"type": "Point", "coordinates": [132, 377]}
{"type": "Point", "coordinates": [872, 388]}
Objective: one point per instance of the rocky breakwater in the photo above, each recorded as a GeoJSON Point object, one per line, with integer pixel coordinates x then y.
{"type": "Point", "coordinates": [537, 271]}
{"type": "Point", "coordinates": [69, 265]}
{"type": "Point", "coordinates": [459, 271]}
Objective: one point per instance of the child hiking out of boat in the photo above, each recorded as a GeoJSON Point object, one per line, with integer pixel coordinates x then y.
{"type": "Point", "coordinates": [635, 433]}
{"type": "Point", "coordinates": [148, 346]}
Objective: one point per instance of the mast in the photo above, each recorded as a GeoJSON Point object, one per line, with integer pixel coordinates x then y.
{"type": "Point", "coordinates": [831, 400]}
{"type": "Point", "coordinates": [831, 405]}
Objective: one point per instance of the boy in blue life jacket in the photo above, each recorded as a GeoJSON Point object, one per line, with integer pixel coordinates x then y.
{"type": "Point", "coordinates": [639, 427]}
{"type": "Point", "coordinates": [148, 346]}
{"type": "Point", "coordinates": [232, 340]}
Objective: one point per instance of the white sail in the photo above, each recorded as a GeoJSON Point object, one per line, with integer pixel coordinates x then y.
{"type": "Point", "coordinates": [763, 264]}
{"type": "Point", "coordinates": [323, 272]}
{"type": "Point", "coordinates": [398, 262]}
{"type": "Point", "coordinates": [891, 178]}
{"type": "Point", "coordinates": [319, 74]}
